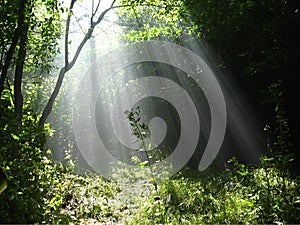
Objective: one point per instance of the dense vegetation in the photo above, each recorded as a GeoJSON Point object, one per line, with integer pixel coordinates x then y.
{"type": "Point", "coordinates": [256, 42]}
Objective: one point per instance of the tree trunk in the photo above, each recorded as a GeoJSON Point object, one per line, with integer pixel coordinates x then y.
{"type": "Point", "coordinates": [15, 39]}
{"type": "Point", "coordinates": [59, 81]}
{"type": "Point", "coordinates": [19, 72]}
{"type": "Point", "coordinates": [68, 65]}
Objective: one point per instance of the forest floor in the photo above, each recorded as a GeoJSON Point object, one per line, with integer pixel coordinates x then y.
{"type": "Point", "coordinates": [239, 195]}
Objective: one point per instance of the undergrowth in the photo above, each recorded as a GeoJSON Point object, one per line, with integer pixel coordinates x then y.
{"type": "Point", "coordinates": [41, 191]}
{"type": "Point", "coordinates": [237, 196]}
{"type": "Point", "coordinates": [52, 194]}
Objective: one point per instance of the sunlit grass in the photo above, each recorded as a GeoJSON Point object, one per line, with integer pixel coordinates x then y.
{"type": "Point", "coordinates": [230, 197]}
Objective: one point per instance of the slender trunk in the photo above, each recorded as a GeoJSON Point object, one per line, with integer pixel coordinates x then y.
{"type": "Point", "coordinates": [18, 74]}
{"type": "Point", "coordinates": [15, 39]}
{"type": "Point", "coordinates": [69, 65]}
{"type": "Point", "coordinates": [2, 54]}
{"type": "Point", "coordinates": [61, 76]}
{"type": "Point", "coordinates": [47, 110]}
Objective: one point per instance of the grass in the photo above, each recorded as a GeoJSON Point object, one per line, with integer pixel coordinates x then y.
{"type": "Point", "coordinates": [239, 195]}
{"type": "Point", "coordinates": [40, 191]}
{"type": "Point", "coordinates": [236, 196]}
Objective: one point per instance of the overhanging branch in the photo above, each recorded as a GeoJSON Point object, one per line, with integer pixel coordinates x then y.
{"type": "Point", "coordinates": [68, 65]}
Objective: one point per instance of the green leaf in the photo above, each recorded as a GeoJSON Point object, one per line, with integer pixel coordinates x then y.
{"type": "Point", "coordinates": [15, 137]}
{"type": "Point", "coordinates": [52, 200]}
{"type": "Point", "coordinates": [145, 163]}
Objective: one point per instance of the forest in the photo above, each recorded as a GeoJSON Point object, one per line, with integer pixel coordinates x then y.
{"type": "Point", "coordinates": [149, 112]}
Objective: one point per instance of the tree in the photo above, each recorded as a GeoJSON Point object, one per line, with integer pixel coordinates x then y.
{"type": "Point", "coordinates": [258, 42]}
{"type": "Point", "coordinates": [20, 33]}
{"type": "Point", "coordinates": [68, 64]}
{"type": "Point", "coordinates": [35, 20]}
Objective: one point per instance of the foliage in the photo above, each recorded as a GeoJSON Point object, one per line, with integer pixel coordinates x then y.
{"type": "Point", "coordinates": [44, 29]}
{"type": "Point", "coordinates": [30, 44]}
{"type": "Point", "coordinates": [38, 189]}
{"type": "Point", "coordinates": [43, 192]}
{"type": "Point", "coordinates": [257, 42]}
{"type": "Point", "coordinates": [43, 36]}
{"type": "Point", "coordinates": [153, 154]}
{"type": "Point", "coordinates": [153, 20]}
{"type": "Point", "coordinates": [43, 19]}
{"type": "Point", "coordinates": [239, 195]}
{"type": "Point", "coordinates": [21, 158]}
{"type": "Point", "coordinates": [141, 132]}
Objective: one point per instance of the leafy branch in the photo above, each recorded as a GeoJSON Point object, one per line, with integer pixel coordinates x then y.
{"type": "Point", "coordinates": [141, 131]}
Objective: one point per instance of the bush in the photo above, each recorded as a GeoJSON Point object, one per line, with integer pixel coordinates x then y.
{"type": "Point", "coordinates": [238, 195]}
{"type": "Point", "coordinates": [39, 190]}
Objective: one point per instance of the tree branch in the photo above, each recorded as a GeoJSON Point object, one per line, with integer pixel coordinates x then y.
{"type": "Point", "coordinates": [67, 32]}
{"type": "Point", "coordinates": [47, 110]}
{"type": "Point", "coordinates": [15, 39]}
{"type": "Point", "coordinates": [94, 12]}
